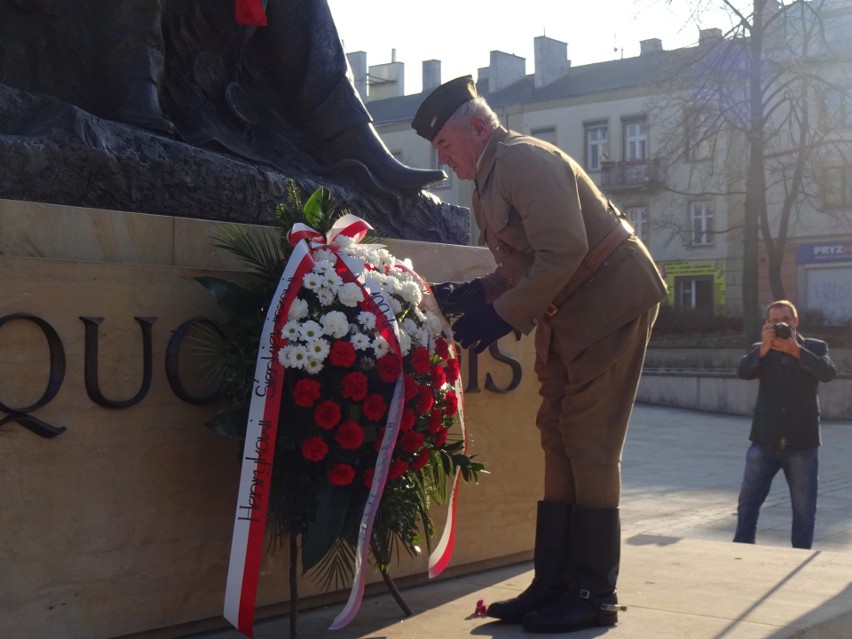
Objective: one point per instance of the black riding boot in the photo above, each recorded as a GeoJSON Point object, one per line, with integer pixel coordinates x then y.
{"type": "Point", "coordinates": [595, 543]}
{"type": "Point", "coordinates": [550, 562]}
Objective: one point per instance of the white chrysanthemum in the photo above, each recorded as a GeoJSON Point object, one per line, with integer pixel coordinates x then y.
{"type": "Point", "coordinates": [290, 331]}
{"type": "Point", "coordinates": [404, 343]}
{"type": "Point", "coordinates": [331, 279]}
{"type": "Point", "coordinates": [295, 356]}
{"type": "Point", "coordinates": [360, 342]}
{"type": "Point", "coordinates": [317, 349]}
{"type": "Point", "coordinates": [420, 336]}
{"type": "Point", "coordinates": [298, 309]}
{"type": "Point", "coordinates": [409, 325]}
{"type": "Point", "coordinates": [394, 285]}
{"type": "Point", "coordinates": [312, 281]}
{"type": "Point", "coordinates": [350, 294]}
{"type": "Point", "coordinates": [381, 346]}
{"type": "Point", "coordinates": [310, 330]}
{"type": "Point", "coordinates": [324, 256]}
{"type": "Point", "coordinates": [395, 304]}
{"type": "Point", "coordinates": [411, 293]}
{"type": "Point", "coordinates": [344, 241]}
{"type": "Point", "coordinates": [282, 357]}
{"type": "Point", "coordinates": [335, 323]}
{"type": "Point", "coordinates": [313, 366]}
{"type": "Point", "coordinates": [325, 296]}
{"type": "Point", "coordinates": [433, 323]}
{"type": "Point", "coordinates": [367, 320]}
{"type": "Point", "coordinates": [385, 258]}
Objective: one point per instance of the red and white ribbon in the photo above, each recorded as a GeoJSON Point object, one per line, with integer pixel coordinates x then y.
{"type": "Point", "coordinates": [259, 452]}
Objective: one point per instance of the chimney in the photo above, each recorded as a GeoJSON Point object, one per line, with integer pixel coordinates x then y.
{"type": "Point", "coordinates": [431, 74]}
{"type": "Point", "coordinates": [709, 36]}
{"type": "Point", "coordinates": [505, 69]}
{"type": "Point", "coordinates": [387, 80]}
{"type": "Point", "coordinates": [650, 46]}
{"type": "Point", "coordinates": [551, 60]}
{"type": "Point", "coordinates": [358, 68]}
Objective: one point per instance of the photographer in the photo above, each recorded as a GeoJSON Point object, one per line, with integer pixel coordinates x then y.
{"type": "Point", "coordinates": [785, 428]}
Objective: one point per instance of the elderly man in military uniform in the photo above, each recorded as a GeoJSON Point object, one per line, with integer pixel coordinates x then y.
{"type": "Point", "coordinates": [569, 266]}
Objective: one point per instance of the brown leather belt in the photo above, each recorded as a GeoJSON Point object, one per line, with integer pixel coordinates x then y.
{"type": "Point", "coordinates": [591, 263]}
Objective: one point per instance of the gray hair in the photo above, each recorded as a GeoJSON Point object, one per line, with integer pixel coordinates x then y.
{"type": "Point", "coordinates": [476, 108]}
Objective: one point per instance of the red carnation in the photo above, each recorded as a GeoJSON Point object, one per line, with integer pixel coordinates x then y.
{"type": "Point", "coordinates": [306, 392]}
{"type": "Point", "coordinates": [439, 378]}
{"type": "Point", "coordinates": [388, 367]}
{"type": "Point", "coordinates": [327, 414]}
{"type": "Point", "coordinates": [368, 477]}
{"type": "Point", "coordinates": [436, 420]}
{"type": "Point", "coordinates": [374, 407]}
{"type": "Point", "coordinates": [420, 360]}
{"type": "Point", "coordinates": [410, 387]}
{"type": "Point", "coordinates": [409, 418]}
{"type": "Point", "coordinates": [451, 403]}
{"type": "Point", "coordinates": [441, 439]}
{"type": "Point", "coordinates": [411, 441]}
{"type": "Point", "coordinates": [314, 449]}
{"type": "Point", "coordinates": [350, 435]}
{"type": "Point", "coordinates": [341, 475]}
{"type": "Point", "coordinates": [342, 354]}
{"type": "Point", "coordinates": [442, 348]}
{"type": "Point", "coordinates": [420, 461]}
{"type": "Point", "coordinates": [354, 386]}
{"type": "Point", "coordinates": [425, 399]}
{"type": "Point", "coordinates": [397, 469]}
{"type": "Point", "coordinates": [452, 370]}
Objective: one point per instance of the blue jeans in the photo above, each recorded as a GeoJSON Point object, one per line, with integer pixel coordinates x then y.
{"type": "Point", "coordinates": [800, 469]}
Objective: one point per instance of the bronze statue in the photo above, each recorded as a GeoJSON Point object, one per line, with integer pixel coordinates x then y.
{"type": "Point", "coordinates": [278, 96]}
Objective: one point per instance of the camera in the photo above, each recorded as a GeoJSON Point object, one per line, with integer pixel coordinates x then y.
{"type": "Point", "coordinates": [782, 330]}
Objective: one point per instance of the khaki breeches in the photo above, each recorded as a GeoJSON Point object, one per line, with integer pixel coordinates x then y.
{"type": "Point", "coordinates": [585, 408]}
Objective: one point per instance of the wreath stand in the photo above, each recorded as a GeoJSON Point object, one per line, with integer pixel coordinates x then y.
{"type": "Point", "coordinates": [294, 590]}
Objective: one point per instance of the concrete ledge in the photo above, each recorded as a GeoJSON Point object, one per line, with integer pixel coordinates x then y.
{"type": "Point", "coordinates": [726, 393]}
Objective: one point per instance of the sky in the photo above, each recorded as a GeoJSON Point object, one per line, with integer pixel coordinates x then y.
{"type": "Point", "coordinates": [462, 33]}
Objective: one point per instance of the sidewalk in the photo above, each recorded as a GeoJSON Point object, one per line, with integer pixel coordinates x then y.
{"type": "Point", "coordinates": [681, 576]}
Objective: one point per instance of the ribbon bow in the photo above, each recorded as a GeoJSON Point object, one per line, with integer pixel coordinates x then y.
{"type": "Point", "coordinates": [347, 226]}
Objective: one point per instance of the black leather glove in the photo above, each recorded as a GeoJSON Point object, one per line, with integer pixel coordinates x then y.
{"type": "Point", "coordinates": [479, 328]}
{"type": "Point", "coordinates": [455, 298]}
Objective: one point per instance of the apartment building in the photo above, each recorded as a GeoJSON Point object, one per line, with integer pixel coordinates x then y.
{"type": "Point", "coordinates": [665, 136]}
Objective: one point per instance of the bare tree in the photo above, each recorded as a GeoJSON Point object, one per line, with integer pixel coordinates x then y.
{"type": "Point", "coordinates": [770, 99]}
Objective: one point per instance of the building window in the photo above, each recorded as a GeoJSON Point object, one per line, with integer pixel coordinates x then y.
{"type": "Point", "coordinates": [837, 187]}
{"type": "Point", "coordinates": [635, 140]}
{"type": "Point", "coordinates": [597, 145]}
{"type": "Point", "coordinates": [701, 223]}
{"type": "Point", "coordinates": [694, 293]}
{"type": "Point", "coordinates": [546, 133]}
{"type": "Point", "coordinates": [638, 218]}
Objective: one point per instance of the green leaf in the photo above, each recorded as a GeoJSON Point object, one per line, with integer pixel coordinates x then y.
{"type": "Point", "coordinates": [322, 533]}
{"type": "Point", "coordinates": [316, 207]}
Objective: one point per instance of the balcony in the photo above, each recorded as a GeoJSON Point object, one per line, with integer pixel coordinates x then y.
{"type": "Point", "coordinates": [633, 174]}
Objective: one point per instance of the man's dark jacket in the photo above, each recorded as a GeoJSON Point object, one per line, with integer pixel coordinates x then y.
{"type": "Point", "coordinates": [787, 399]}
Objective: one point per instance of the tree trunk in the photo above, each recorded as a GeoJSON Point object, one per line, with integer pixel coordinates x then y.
{"type": "Point", "coordinates": [755, 200]}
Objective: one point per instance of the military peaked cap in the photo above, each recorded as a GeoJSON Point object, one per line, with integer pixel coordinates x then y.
{"type": "Point", "coordinates": [441, 104]}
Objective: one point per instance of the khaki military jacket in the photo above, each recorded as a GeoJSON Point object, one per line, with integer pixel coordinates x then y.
{"type": "Point", "coordinates": [539, 214]}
